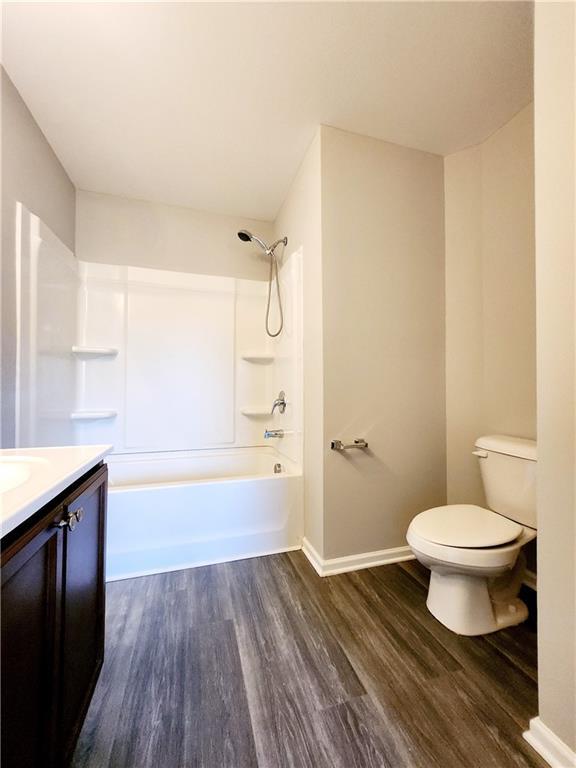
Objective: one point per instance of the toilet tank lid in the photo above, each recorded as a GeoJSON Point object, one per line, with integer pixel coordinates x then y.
{"type": "Point", "coordinates": [510, 446]}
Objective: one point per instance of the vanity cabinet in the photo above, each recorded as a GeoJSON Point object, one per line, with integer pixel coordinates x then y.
{"type": "Point", "coordinates": [52, 624]}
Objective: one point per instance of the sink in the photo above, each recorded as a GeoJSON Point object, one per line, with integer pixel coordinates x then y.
{"type": "Point", "coordinates": [15, 470]}
{"type": "Point", "coordinates": [32, 477]}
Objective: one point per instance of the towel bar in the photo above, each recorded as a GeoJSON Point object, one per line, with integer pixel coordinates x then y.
{"type": "Point", "coordinates": [338, 445]}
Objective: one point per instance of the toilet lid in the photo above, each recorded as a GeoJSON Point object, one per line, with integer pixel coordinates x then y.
{"type": "Point", "coordinates": [465, 525]}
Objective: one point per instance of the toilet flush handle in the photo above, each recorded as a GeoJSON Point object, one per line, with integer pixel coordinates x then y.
{"type": "Point", "coordinates": [480, 454]}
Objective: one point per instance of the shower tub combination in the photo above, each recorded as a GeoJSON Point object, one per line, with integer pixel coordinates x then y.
{"type": "Point", "coordinates": [168, 511]}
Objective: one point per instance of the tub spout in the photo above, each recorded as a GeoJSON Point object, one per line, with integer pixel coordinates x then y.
{"type": "Point", "coordinates": [273, 433]}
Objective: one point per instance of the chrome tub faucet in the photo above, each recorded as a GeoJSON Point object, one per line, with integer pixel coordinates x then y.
{"type": "Point", "coordinates": [273, 433]}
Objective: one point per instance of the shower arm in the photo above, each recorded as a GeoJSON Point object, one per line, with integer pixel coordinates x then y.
{"type": "Point", "coordinates": [272, 248]}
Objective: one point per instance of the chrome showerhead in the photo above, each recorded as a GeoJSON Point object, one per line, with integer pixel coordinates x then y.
{"type": "Point", "coordinates": [246, 237]}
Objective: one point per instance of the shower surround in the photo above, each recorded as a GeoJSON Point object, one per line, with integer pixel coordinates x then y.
{"type": "Point", "coordinates": [177, 372]}
{"type": "Point", "coordinates": [185, 396]}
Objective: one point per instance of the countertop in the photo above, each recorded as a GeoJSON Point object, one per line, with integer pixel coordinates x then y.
{"type": "Point", "coordinates": [31, 477]}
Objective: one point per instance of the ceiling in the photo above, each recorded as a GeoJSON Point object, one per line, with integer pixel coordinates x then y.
{"type": "Point", "coordinates": [212, 105]}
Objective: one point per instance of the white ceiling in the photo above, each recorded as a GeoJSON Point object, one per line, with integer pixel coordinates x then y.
{"type": "Point", "coordinates": [212, 105]}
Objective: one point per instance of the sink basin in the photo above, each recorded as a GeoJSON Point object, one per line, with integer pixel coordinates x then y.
{"type": "Point", "coordinates": [15, 470]}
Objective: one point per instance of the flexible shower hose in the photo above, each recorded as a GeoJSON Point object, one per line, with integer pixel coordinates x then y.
{"type": "Point", "coordinates": [274, 274]}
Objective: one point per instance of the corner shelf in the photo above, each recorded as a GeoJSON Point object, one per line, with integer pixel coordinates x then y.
{"type": "Point", "coordinates": [255, 412]}
{"type": "Point", "coordinates": [92, 415]}
{"type": "Point", "coordinates": [94, 351]}
{"type": "Point", "coordinates": [257, 357]}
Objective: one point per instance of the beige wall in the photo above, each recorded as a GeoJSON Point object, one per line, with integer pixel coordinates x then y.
{"type": "Point", "coordinates": [300, 219]}
{"type": "Point", "coordinates": [369, 217]}
{"type": "Point", "coordinates": [490, 298]}
{"type": "Point", "coordinates": [32, 175]}
{"type": "Point", "coordinates": [464, 323]}
{"type": "Point", "coordinates": [383, 327]}
{"type": "Point", "coordinates": [118, 230]}
{"type": "Point", "coordinates": [555, 143]}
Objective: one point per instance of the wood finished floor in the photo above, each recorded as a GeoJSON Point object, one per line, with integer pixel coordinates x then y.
{"type": "Point", "coordinates": [263, 664]}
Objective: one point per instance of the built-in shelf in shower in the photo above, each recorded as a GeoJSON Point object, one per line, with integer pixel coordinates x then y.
{"type": "Point", "coordinates": [92, 415]}
{"type": "Point", "coordinates": [257, 357]}
{"type": "Point", "coordinates": [94, 351]}
{"type": "Point", "coordinates": [255, 411]}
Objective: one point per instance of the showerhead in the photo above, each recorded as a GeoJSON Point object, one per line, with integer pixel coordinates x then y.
{"type": "Point", "coordinates": [248, 237]}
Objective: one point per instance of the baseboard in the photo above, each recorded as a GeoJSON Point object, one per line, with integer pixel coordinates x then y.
{"type": "Point", "coordinates": [556, 753]}
{"type": "Point", "coordinates": [354, 562]}
{"type": "Point", "coordinates": [313, 556]}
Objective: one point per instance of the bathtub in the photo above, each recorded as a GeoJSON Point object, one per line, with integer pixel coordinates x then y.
{"type": "Point", "coordinates": [168, 511]}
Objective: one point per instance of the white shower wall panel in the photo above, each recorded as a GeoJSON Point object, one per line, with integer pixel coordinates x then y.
{"type": "Point", "coordinates": [178, 380]}
{"type": "Point", "coordinates": [180, 362]}
{"type": "Point", "coordinates": [101, 323]}
{"type": "Point", "coordinates": [252, 379]}
{"type": "Point", "coordinates": [47, 280]}
{"type": "Point", "coordinates": [287, 372]}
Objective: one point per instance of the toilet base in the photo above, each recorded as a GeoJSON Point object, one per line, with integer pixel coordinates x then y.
{"type": "Point", "coordinates": [463, 603]}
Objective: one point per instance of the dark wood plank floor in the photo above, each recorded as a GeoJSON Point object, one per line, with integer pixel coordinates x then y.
{"type": "Point", "coordinates": [263, 664]}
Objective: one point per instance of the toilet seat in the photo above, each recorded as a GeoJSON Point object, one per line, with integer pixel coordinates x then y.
{"type": "Point", "coordinates": [492, 541]}
{"type": "Point", "coordinates": [488, 558]}
{"type": "Point", "coordinates": [465, 525]}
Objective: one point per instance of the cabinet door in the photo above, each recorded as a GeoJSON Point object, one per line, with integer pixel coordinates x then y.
{"type": "Point", "coordinates": [82, 606]}
{"type": "Point", "coordinates": [31, 592]}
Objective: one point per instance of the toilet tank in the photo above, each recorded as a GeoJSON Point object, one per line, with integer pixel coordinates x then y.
{"type": "Point", "coordinates": [508, 468]}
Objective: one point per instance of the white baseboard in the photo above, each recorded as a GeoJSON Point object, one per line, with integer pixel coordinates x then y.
{"type": "Point", "coordinates": [354, 562]}
{"type": "Point", "coordinates": [548, 745]}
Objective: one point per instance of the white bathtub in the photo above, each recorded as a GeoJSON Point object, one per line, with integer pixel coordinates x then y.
{"type": "Point", "coordinates": [168, 511]}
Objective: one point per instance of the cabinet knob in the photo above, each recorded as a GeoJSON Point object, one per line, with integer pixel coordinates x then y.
{"type": "Point", "coordinates": [79, 514]}
{"type": "Point", "coordinates": [70, 521]}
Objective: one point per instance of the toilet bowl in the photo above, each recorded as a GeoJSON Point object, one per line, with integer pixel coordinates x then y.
{"type": "Point", "coordinates": [474, 554]}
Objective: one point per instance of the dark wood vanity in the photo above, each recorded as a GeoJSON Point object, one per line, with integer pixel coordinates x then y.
{"type": "Point", "coordinates": [52, 624]}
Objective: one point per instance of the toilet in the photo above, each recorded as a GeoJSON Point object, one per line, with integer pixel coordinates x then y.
{"type": "Point", "coordinates": [473, 553]}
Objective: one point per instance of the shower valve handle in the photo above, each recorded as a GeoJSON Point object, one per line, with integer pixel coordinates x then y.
{"type": "Point", "coordinates": [280, 402]}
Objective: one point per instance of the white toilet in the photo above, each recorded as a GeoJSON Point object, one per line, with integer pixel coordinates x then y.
{"type": "Point", "coordinates": [474, 554]}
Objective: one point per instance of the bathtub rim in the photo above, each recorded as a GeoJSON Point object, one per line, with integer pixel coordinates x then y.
{"type": "Point", "coordinates": [291, 468]}
{"type": "Point", "coordinates": [224, 479]}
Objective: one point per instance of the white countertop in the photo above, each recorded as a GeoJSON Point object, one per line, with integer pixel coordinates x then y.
{"type": "Point", "coordinates": [31, 477]}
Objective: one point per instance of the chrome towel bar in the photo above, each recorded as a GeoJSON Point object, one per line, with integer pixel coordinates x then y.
{"type": "Point", "coordinates": [338, 445]}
